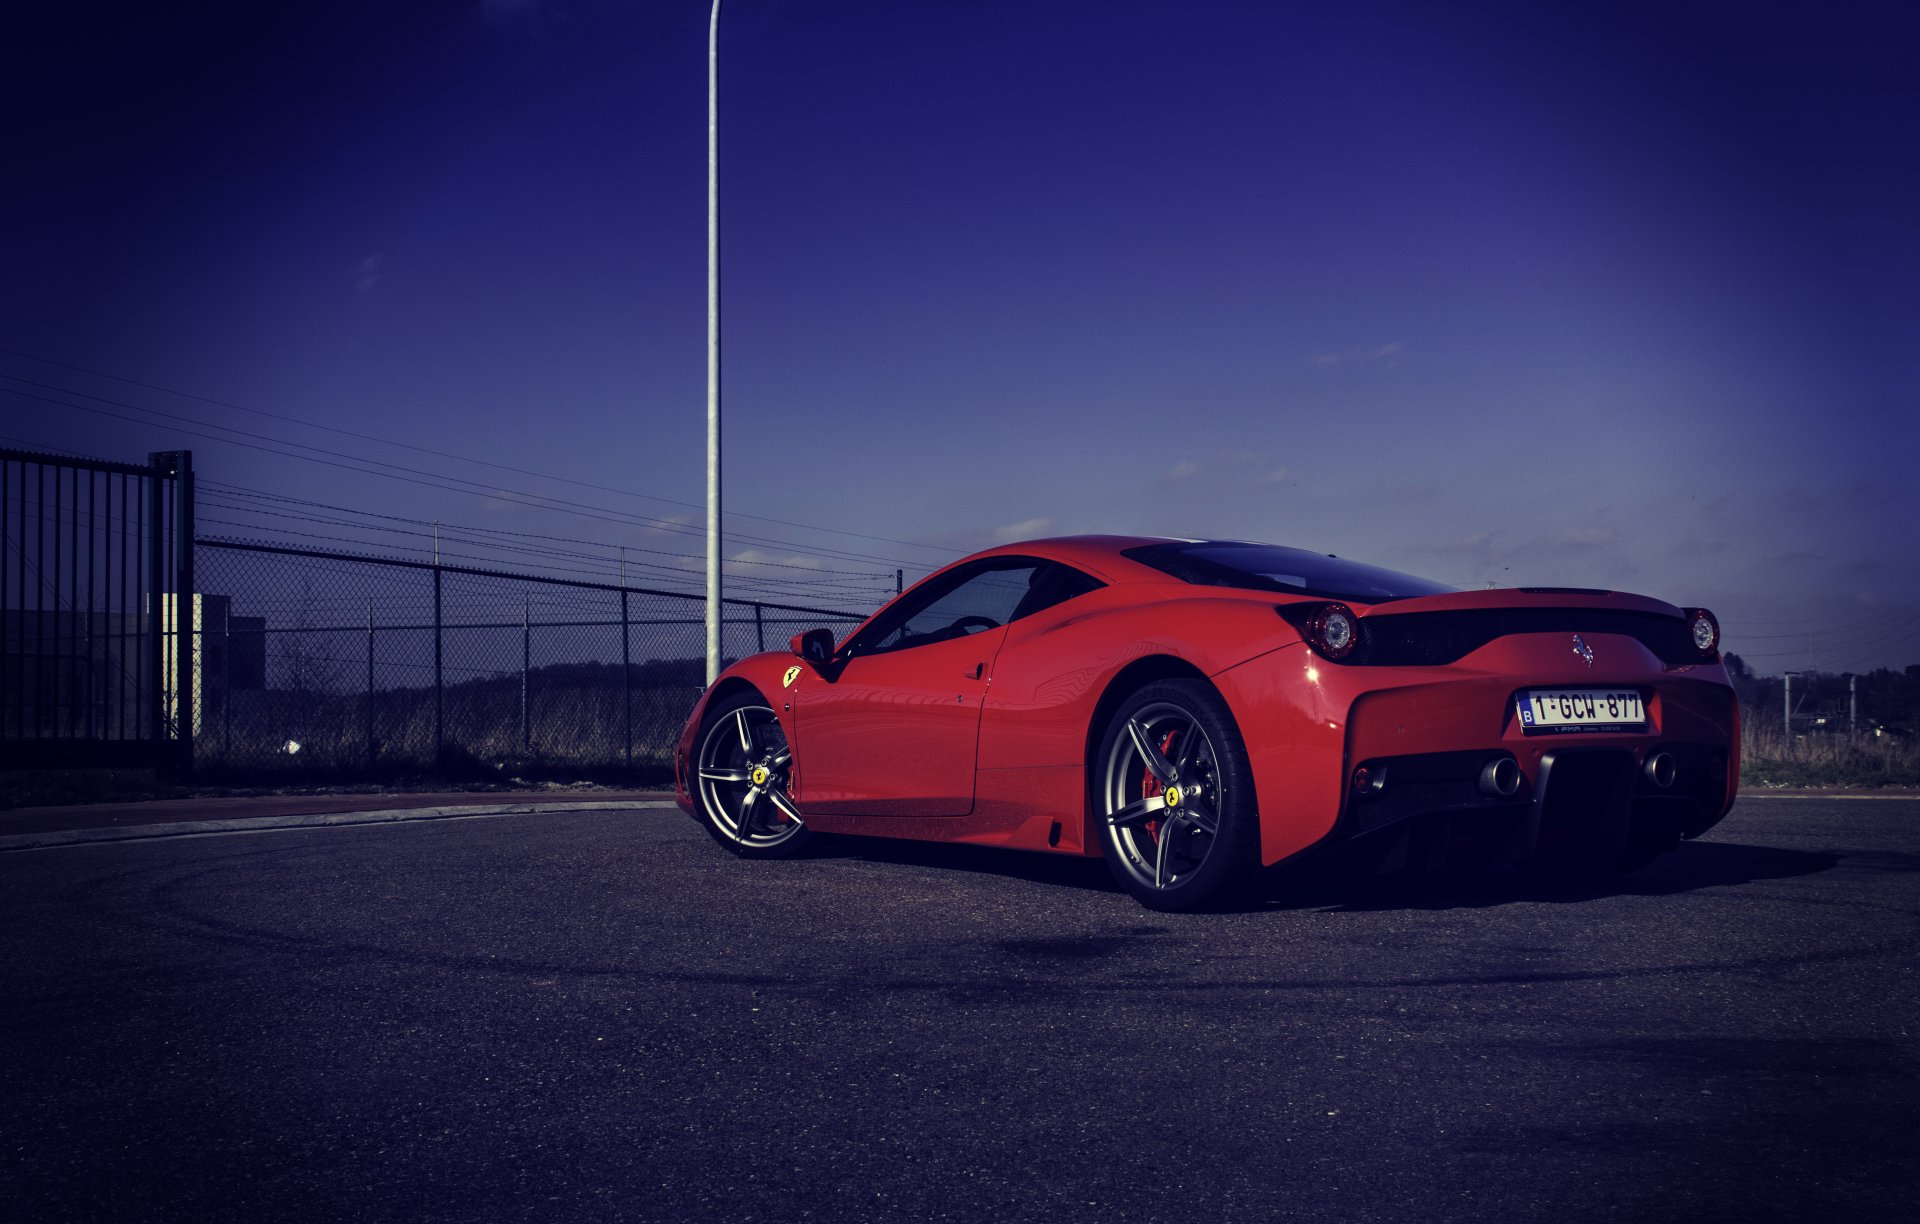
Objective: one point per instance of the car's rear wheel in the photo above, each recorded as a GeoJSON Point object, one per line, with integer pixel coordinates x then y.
{"type": "Point", "coordinates": [742, 772]}
{"type": "Point", "coordinates": [1175, 798]}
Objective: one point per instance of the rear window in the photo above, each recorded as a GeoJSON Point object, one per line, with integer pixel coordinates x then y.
{"type": "Point", "coordinates": [1292, 571]}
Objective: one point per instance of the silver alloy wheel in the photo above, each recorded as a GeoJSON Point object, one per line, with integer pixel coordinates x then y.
{"type": "Point", "coordinates": [1161, 796]}
{"type": "Point", "coordinates": [743, 768]}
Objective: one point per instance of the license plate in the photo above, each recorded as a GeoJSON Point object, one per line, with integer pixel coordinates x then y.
{"type": "Point", "coordinates": [1581, 709]}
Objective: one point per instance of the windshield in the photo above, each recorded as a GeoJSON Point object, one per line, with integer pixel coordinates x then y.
{"type": "Point", "coordinates": [1269, 567]}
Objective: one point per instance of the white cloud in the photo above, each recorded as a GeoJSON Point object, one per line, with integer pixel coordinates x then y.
{"type": "Point", "coordinates": [797, 560]}
{"type": "Point", "coordinates": [1186, 469]}
{"type": "Point", "coordinates": [1327, 361]}
{"type": "Point", "coordinates": [1025, 530]}
{"type": "Point", "coordinates": [668, 525]}
{"type": "Point", "coordinates": [1277, 476]}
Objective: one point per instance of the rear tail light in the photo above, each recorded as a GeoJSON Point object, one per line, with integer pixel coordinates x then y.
{"type": "Point", "coordinates": [1333, 631]}
{"type": "Point", "coordinates": [1704, 630]}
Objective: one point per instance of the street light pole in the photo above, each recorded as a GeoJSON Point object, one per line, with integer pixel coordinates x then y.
{"type": "Point", "coordinates": [713, 346]}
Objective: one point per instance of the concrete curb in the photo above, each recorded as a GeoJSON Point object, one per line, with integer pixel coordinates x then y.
{"type": "Point", "coordinates": [310, 820]}
{"type": "Point", "coordinates": [1905, 796]}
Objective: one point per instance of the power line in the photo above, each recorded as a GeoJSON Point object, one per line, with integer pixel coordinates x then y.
{"type": "Point", "coordinates": [79, 517]}
{"type": "Point", "coordinates": [427, 478]}
{"type": "Point", "coordinates": [1824, 620]}
{"type": "Point", "coordinates": [455, 532]}
{"type": "Point", "coordinates": [865, 584]}
{"type": "Point", "coordinates": [427, 450]}
{"type": "Point", "coordinates": [840, 583]}
{"type": "Point", "coordinates": [1872, 621]}
{"type": "Point", "coordinates": [595, 572]}
{"type": "Point", "coordinates": [1816, 647]}
{"type": "Point", "coordinates": [530, 535]}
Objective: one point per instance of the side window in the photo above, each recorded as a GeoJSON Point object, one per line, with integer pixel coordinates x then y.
{"type": "Point", "coordinates": [1055, 584]}
{"type": "Point", "coordinates": [968, 601]}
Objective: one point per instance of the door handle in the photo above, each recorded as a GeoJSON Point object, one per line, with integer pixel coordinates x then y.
{"type": "Point", "coordinates": [976, 671]}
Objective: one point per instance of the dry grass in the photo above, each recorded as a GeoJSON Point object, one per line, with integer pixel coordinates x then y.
{"type": "Point", "coordinates": [1769, 758]}
{"type": "Point", "coordinates": [575, 732]}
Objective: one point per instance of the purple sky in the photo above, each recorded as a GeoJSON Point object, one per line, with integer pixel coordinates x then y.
{"type": "Point", "coordinates": [1594, 294]}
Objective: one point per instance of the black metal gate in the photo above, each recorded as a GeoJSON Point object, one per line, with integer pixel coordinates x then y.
{"type": "Point", "coordinates": [96, 595]}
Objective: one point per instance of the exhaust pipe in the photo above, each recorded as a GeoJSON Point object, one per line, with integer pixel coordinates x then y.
{"type": "Point", "coordinates": [1660, 769]}
{"type": "Point", "coordinates": [1500, 778]}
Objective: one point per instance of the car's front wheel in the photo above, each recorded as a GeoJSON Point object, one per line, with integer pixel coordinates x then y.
{"type": "Point", "coordinates": [1175, 800]}
{"type": "Point", "coordinates": [742, 772]}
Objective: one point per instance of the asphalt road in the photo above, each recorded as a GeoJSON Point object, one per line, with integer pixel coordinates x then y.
{"type": "Point", "coordinates": [604, 1016]}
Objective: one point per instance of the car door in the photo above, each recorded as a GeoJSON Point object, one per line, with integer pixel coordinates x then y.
{"type": "Point", "coordinates": [892, 728]}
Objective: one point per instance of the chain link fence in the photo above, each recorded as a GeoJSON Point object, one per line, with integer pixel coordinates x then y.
{"type": "Point", "coordinates": [333, 665]}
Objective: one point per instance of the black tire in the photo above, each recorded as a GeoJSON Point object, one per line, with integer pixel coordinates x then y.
{"type": "Point", "coordinates": [1207, 853]}
{"type": "Point", "coordinates": [740, 774]}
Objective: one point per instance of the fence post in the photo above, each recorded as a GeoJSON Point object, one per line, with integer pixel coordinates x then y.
{"type": "Point", "coordinates": [759, 629]}
{"type": "Point", "coordinates": [6, 537]}
{"type": "Point", "coordinates": [1786, 707]}
{"type": "Point", "coordinates": [86, 616]}
{"type": "Point", "coordinates": [372, 753]}
{"type": "Point", "coordinates": [155, 663]}
{"type": "Point", "coordinates": [226, 682]}
{"type": "Point", "coordinates": [187, 618]}
{"type": "Point", "coordinates": [626, 672]}
{"type": "Point", "coordinates": [526, 660]}
{"type": "Point", "coordinates": [61, 708]}
{"type": "Point", "coordinates": [439, 689]}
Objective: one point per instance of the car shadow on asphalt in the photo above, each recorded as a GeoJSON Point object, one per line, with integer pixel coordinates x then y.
{"type": "Point", "coordinates": [1690, 867]}
{"type": "Point", "coordinates": [1317, 884]}
{"type": "Point", "coordinates": [1061, 870]}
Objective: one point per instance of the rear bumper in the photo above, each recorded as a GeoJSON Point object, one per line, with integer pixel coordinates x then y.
{"type": "Point", "coordinates": [1426, 734]}
{"type": "Point", "coordinates": [1595, 803]}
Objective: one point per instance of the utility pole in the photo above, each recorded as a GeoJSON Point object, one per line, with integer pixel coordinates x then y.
{"type": "Point", "coordinates": [1786, 705]}
{"type": "Point", "coordinates": [1853, 705]}
{"type": "Point", "coordinates": [713, 345]}
{"type": "Point", "coordinates": [526, 665]}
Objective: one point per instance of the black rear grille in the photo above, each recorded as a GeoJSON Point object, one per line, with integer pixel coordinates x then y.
{"type": "Point", "coordinates": [1427, 639]}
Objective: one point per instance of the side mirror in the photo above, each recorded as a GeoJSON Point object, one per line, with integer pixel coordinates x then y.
{"type": "Point", "coordinates": [815, 646]}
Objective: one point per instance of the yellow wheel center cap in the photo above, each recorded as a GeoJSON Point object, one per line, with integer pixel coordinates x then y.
{"type": "Point", "coordinates": [759, 775]}
{"type": "Point", "coordinates": [1173, 796]}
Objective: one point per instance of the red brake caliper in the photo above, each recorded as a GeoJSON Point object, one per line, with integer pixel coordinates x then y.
{"type": "Point", "coordinates": [1150, 785]}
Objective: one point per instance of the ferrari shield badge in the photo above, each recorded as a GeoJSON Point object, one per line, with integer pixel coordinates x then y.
{"type": "Point", "coordinates": [1581, 648]}
{"type": "Point", "coordinates": [793, 673]}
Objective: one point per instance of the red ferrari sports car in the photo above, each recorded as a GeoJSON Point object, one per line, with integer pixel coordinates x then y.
{"type": "Point", "coordinates": [1196, 710]}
